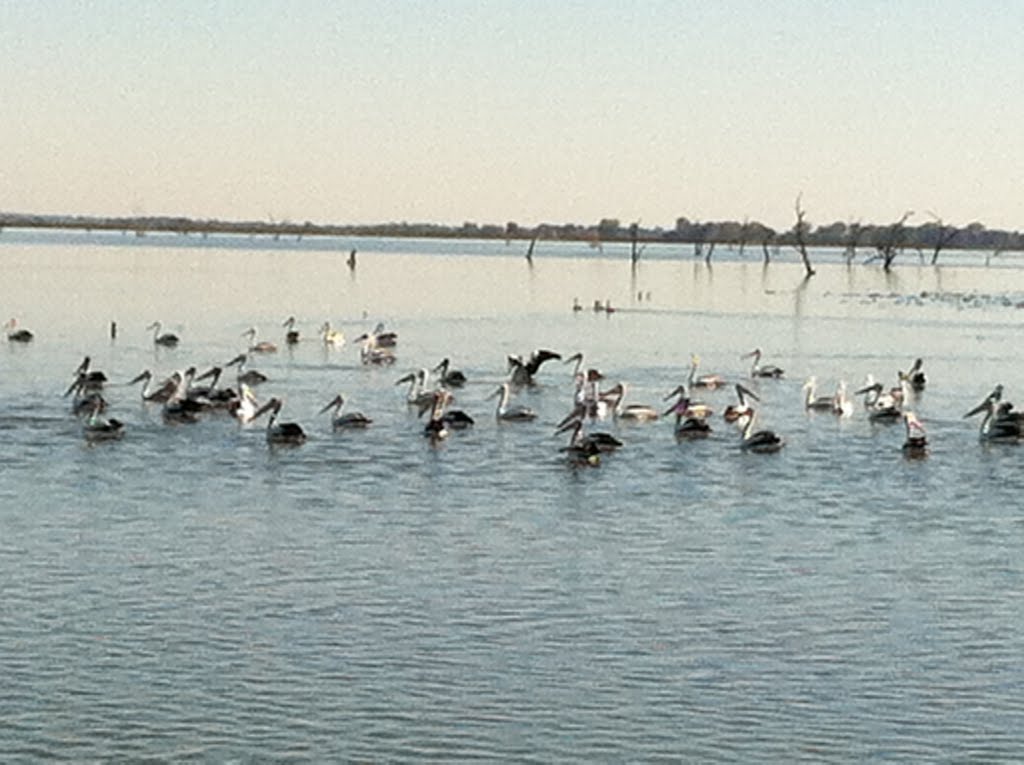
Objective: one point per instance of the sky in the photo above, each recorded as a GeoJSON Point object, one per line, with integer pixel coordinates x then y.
{"type": "Point", "coordinates": [486, 111]}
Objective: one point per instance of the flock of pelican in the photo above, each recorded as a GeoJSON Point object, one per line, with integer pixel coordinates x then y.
{"type": "Point", "coordinates": [185, 396]}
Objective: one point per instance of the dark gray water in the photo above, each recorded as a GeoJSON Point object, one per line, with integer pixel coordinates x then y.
{"type": "Point", "coordinates": [190, 593]}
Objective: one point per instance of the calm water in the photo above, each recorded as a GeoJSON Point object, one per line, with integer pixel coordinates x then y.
{"type": "Point", "coordinates": [190, 593]}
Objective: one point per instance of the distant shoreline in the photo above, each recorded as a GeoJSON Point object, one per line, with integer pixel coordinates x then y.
{"type": "Point", "coordinates": [933, 236]}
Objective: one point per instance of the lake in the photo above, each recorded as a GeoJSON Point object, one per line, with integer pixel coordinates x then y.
{"type": "Point", "coordinates": [190, 593]}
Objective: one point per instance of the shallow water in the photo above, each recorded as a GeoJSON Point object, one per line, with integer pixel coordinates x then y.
{"type": "Point", "coordinates": [190, 593]}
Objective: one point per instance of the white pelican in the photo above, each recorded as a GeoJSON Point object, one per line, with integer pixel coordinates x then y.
{"type": "Point", "coordinates": [517, 413]}
{"type": "Point", "coordinates": [347, 421]}
{"type": "Point", "coordinates": [616, 395]}
{"type": "Point", "coordinates": [261, 346]}
{"type": "Point", "coordinates": [709, 381]}
{"type": "Point", "coordinates": [760, 441]}
{"type": "Point", "coordinates": [280, 433]}
{"type": "Point", "coordinates": [245, 407]}
{"type": "Point", "coordinates": [756, 370]}
{"type": "Point", "coordinates": [371, 353]}
{"type": "Point", "coordinates": [814, 402]}
{"type": "Point", "coordinates": [167, 339]}
{"type": "Point", "coordinates": [17, 335]}
{"type": "Point", "coordinates": [291, 335]}
{"type": "Point", "coordinates": [916, 444]}
{"type": "Point", "coordinates": [333, 338]}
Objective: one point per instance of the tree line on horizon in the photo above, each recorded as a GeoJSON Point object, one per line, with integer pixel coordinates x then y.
{"type": "Point", "coordinates": [881, 241]}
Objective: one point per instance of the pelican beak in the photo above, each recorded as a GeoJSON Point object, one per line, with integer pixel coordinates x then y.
{"type": "Point", "coordinates": [678, 391]}
{"type": "Point", "coordinates": [979, 408]}
{"type": "Point", "coordinates": [744, 391]}
{"type": "Point", "coordinates": [408, 378]}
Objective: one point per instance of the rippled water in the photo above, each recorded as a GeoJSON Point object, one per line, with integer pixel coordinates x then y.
{"type": "Point", "coordinates": [190, 593]}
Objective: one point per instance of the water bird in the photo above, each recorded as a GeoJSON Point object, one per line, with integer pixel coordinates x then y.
{"type": "Point", "coordinates": [437, 428]}
{"type": "Point", "coordinates": [522, 372]}
{"type": "Point", "coordinates": [90, 380]}
{"type": "Point", "coordinates": [86, 398]}
{"type": "Point", "coordinates": [163, 392]}
{"type": "Point", "coordinates": [616, 396]}
{"type": "Point", "coordinates": [742, 407]}
{"type": "Point", "coordinates": [246, 376]}
{"type": "Point", "coordinates": [97, 428]}
{"type": "Point", "coordinates": [450, 378]}
{"type": "Point", "coordinates": [916, 444]}
{"type": "Point", "coordinates": [334, 338]}
{"type": "Point", "coordinates": [915, 376]}
{"type": "Point", "coordinates": [758, 441]}
{"type": "Point", "coordinates": [16, 335]}
{"type": "Point", "coordinates": [707, 381]}
{"type": "Point", "coordinates": [417, 395]}
{"type": "Point", "coordinates": [768, 370]}
{"type": "Point", "coordinates": [580, 450]}
{"type": "Point", "coordinates": [881, 406]}
{"type": "Point", "coordinates": [814, 402]}
{"type": "Point", "coordinates": [164, 339]}
{"type": "Point", "coordinates": [385, 338]}
{"type": "Point", "coordinates": [1001, 424]}
{"type": "Point", "coordinates": [245, 406]}
{"type": "Point", "coordinates": [291, 335]}
{"type": "Point", "coordinates": [371, 353]}
{"type": "Point", "coordinates": [258, 346]}
{"type": "Point", "coordinates": [347, 421]}
{"type": "Point", "coordinates": [691, 417]}
{"type": "Point", "coordinates": [280, 433]}
{"type": "Point", "coordinates": [505, 413]}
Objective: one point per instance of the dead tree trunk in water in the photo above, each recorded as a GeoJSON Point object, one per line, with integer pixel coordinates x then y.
{"type": "Point", "coordinates": [892, 242]}
{"type": "Point", "coordinates": [635, 250]}
{"type": "Point", "coordinates": [945, 237]}
{"type": "Point", "coordinates": [529, 251]}
{"type": "Point", "coordinates": [800, 233]}
{"type": "Point", "coordinates": [853, 234]}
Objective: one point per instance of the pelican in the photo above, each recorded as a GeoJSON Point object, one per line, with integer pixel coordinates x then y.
{"type": "Point", "coordinates": [814, 402]}
{"type": "Point", "coordinates": [334, 338]}
{"type": "Point", "coordinates": [90, 381]}
{"type": "Point", "coordinates": [17, 335]}
{"type": "Point", "coordinates": [915, 377]}
{"type": "Point", "coordinates": [517, 413]}
{"type": "Point", "coordinates": [916, 444]}
{"type": "Point", "coordinates": [691, 418]}
{"type": "Point", "coordinates": [756, 370]}
{"type": "Point", "coordinates": [97, 428]}
{"type": "Point", "coordinates": [167, 339]}
{"type": "Point", "coordinates": [179, 408]}
{"type": "Point", "coordinates": [580, 451]}
{"type": "Point", "coordinates": [1001, 423]}
{"type": "Point", "coordinates": [211, 395]}
{"type": "Point", "coordinates": [522, 372]}
{"type": "Point", "coordinates": [635, 412]}
{"type": "Point", "coordinates": [245, 407]}
{"type": "Point", "coordinates": [280, 433]}
{"type": "Point", "coordinates": [741, 409]}
{"type": "Point", "coordinates": [881, 407]}
{"type": "Point", "coordinates": [601, 441]}
{"type": "Point", "coordinates": [347, 421]}
{"type": "Point", "coordinates": [163, 393]}
{"type": "Point", "coordinates": [371, 353]}
{"type": "Point", "coordinates": [709, 382]}
{"type": "Point", "coordinates": [578, 358]}
{"type": "Point", "coordinates": [262, 346]}
{"type": "Point", "coordinates": [87, 398]}
{"type": "Point", "coordinates": [842, 407]}
{"type": "Point", "coordinates": [385, 339]}
{"type": "Point", "coordinates": [418, 395]}
{"type": "Point", "coordinates": [760, 441]}
{"type": "Point", "coordinates": [436, 428]}
{"type": "Point", "coordinates": [450, 378]}
{"type": "Point", "coordinates": [246, 376]}
{"type": "Point", "coordinates": [291, 335]}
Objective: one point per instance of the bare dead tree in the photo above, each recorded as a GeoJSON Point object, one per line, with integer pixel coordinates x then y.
{"type": "Point", "coordinates": [892, 241]}
{"type": "Point", "coordinates": [529, 251]}
{"type": "Point", "coordinates": [636, 250]}
{"type": "Point", "coordinates": [945, 237]}
{"type": "Point", "coordinates": [765, 244]}
{"type": "Point", "coordinates": [800, 230]}
{"type": "Point", "coordinates": [743, 235]}
{"type": "Point", "coordinates": [711, 249]}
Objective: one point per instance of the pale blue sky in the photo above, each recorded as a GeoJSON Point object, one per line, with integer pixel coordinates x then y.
{"type": "Point", "coordinates": [529, 111]}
